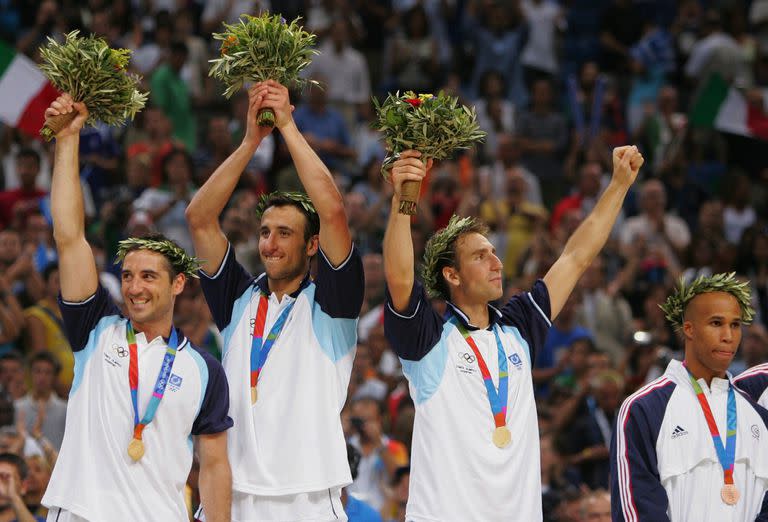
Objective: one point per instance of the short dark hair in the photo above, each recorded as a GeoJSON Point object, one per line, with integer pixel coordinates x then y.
{"type": "Point", "coordinates": [18, 462]}
{"type": "Point", "coordinates": [12, 355]}
{"type": "Point", "coordinates": [45, 356]}
{"type": "Point", "coordinates": [283, 199]}
{"type": "Point", "coordinates": [26, 152]}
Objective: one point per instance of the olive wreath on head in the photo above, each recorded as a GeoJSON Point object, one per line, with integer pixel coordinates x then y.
{"type": "Point", "coordinates": [674, 306]}
{"type": "Point", "coordinates": [181, 262]}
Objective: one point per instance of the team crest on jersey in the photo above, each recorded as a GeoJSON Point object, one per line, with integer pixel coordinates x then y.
{"type": "Point", "coordinates": [516, 360]}
{"type": "Point", "coordinates": [116, 355]}
{"type": "Point", "coordinates": [174, 382]}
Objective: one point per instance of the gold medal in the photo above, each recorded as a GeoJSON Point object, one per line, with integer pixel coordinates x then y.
{"type": "Point", "coordinates": [502, 437]}
{"type": "Point", "coordinates": [136, 449]}
{"type": "Point", "coordinates": [730, 494]}
{"type": "Point", "coordinates": [254, 395]}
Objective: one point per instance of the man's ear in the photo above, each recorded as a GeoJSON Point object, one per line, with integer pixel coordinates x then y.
{"type": "Point", "coordinates": [313, 245]}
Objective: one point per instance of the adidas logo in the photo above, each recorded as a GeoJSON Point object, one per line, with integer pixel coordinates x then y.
{"type": "Point", "coordinates": [678, 432]}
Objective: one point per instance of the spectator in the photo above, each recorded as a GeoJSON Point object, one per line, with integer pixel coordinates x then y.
{"type": "Point", "coordinates": [413, 56]}
{"type": "Point", "coordinates": [380, 455]}
{"type": "Point", "coordinates": [171, 93]}
{"type": "Point", "coordinates": [324, 128]}
{"type": "Point", "coordinates": [16, 203]}
{"type": "Point", "coordinates": [495, 113]}
{"type": "Point", "coordinates": [620, 27]}
{"type": "Point", "coordinates": [355, 509]}
{"type": "Point", "coordinates": [515, 220]}
{"type": "Point", "coordinates": [38, 476]}
{"type": "Point", "coordinates": [394, 510]}
{"type": "Point", "coordinates": [738, 214]}
{"type": "Point", "coordinates": [13, 476]}
{"type": "Point", "coordinates": [596, 506]}
{"type": "Point", "coordinates": [166, 205]}
{"type": "Point", "coordinates": [543, 137]}
{"type": "Point", "coordinates": [11, 317]}
{"type": "Point", "coordinates": [656, 226]}
{"type": "Point", "coordinates": [45, 332]}
{"type": "Point", "coordinates": [716, 53]}
{"type": "Point", "coordinates": [12, 374]}
{"type": "Point", "coordinates": [544, 18]}
{"type": "Point", "coordinates": [604, 312]}
{"type": "Point", "coordinates": [43, 412]}
{"type": "Point", "coordinates": [345, 71]}
{"type": "Point", "coordinates": [493, 178]}
{"type": "Point", "coordinates": [192, 316]}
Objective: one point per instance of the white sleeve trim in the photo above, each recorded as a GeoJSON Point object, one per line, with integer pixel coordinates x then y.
{"type": "Point", "coordinates": [337, 268]}
{"type": "Point", "coordinates": [75, 303]}
{"type": "Point", "coordinates": [549, 323]}
{"type": "Point", "coordinates": [221, 266]}
{"type": "Point", "coordinates": [401, 316]}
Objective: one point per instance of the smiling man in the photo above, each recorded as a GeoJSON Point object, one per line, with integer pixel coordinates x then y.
{"type": "Point", "coordinates": [140, 390]}
{"type": "Point", "coordinates": [475, 449]}
{"type": "Point", "coordinates": [690, 445]}
{"type": "Point", "coordinates": [289, 341]}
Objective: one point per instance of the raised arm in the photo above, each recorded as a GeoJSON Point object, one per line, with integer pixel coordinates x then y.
{"type": "Point", "coordinates": [208, 203]}
{"type": "Point", "coordinates": [77, 268]}
{"type": "Point", "coordinates": [588, 239]}
{"type": "Point", "coordinates": [335, 238]}
{"type": "Point", "coordinates": [398, 244]}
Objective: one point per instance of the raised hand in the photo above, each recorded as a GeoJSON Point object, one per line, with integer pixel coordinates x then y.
{"type": "Point", "coordinates": [278, 100]}
{"type": "Point", "coordinates": [408, 167]}
{"type": "Point", "coordinates": [627, 161]}
{"type": "Point", "coordinates": [64, 104]}
{"type": "Point", "coordinates": [254, 133]}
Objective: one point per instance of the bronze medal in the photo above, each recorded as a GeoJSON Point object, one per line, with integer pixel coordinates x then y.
{"type": "Point", "coordinates": [136, 449]}
{"type": "Point", "coordinates": [254, 395]}
{"type": "Point", "coordinates": [502, 437]}
{"type": "Point", "coordinates": [730, 494]}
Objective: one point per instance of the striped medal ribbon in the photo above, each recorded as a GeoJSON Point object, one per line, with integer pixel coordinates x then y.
{"type": "Point", "coordinates": [726, 455]}
{"type": "Point", "coordinates": [136, 446]}
{"type": "Point", "coordinates": [496, 398]}
{"type": "Point", "coordinates": [261, 347]}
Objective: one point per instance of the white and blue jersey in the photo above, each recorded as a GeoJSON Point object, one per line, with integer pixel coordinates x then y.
{"type": "Point", "coordinates": [754, 381]}
{"type": "Point", "coordinates": [290, 441]}
{"type": "Point", "coordinates": [664, 465]}
{"type": "Point", "coordinates": [457, 473]}
{"type": "Point", "coordinates": [94, 478]}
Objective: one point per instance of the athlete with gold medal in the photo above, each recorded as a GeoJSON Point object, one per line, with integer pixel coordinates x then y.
{"type": "Point", "coordinates": [475, 444]}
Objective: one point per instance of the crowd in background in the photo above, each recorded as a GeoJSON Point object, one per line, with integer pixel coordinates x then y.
{"type": "Point", "coordinates": [556, 85]}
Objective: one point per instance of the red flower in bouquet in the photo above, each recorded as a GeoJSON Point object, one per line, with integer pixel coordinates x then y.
{"type": "Point", "coordinates": [413, 101]}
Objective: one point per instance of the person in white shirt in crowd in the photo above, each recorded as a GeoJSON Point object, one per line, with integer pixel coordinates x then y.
{"type": "Point", "coordinates": [690, 445]}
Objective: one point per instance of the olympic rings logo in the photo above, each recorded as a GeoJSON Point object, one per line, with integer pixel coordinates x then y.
{"type": "Point", "coordinates": [468, 357]}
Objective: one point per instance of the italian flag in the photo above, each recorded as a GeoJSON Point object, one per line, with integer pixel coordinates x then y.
{"type": "Point", "coordinates": [25, 92]}
{"type": "Point", "coordinates": [723, 107]}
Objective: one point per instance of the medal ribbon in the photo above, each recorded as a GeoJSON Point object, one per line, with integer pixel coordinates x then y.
{"type": "Point", "coordinates": [497, 399]}
{"type": "Point", "coordinates": [160, 383]}
{"type": "Point", "coordinates": [726, 455]}
{"type": "Point", "coordinates": [261, 347]}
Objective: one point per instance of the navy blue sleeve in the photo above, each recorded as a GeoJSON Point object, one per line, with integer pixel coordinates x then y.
{"type": "Point", "coordinates": [81, 318]}
{"type": "Point", "coordinates": [413, 333]}
{"type": "Point", "coordinates": [214, 412]}
{"type": "Point", "coordinates": [763, 515]}
{"type": "Point", "coordinates": [222, 289]}
{"type": "Point", "coordinates": [530, 313]}
{"type": "Point", "coordinates": [636, 490]}
{"type": "Point", "coordinates": [754, 381]}
{"type": "Point", "coordinates": [340, 289]}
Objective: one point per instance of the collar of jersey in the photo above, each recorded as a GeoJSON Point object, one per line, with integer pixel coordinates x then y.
{"type": "Point", "coordinates": [263, 285]}
{"type": "Point", "coordinates": [494, 316]}
{"type": "Point", "coordinates": [179, 334]}
{"type": "Point", "coordinates": [681, 376]}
